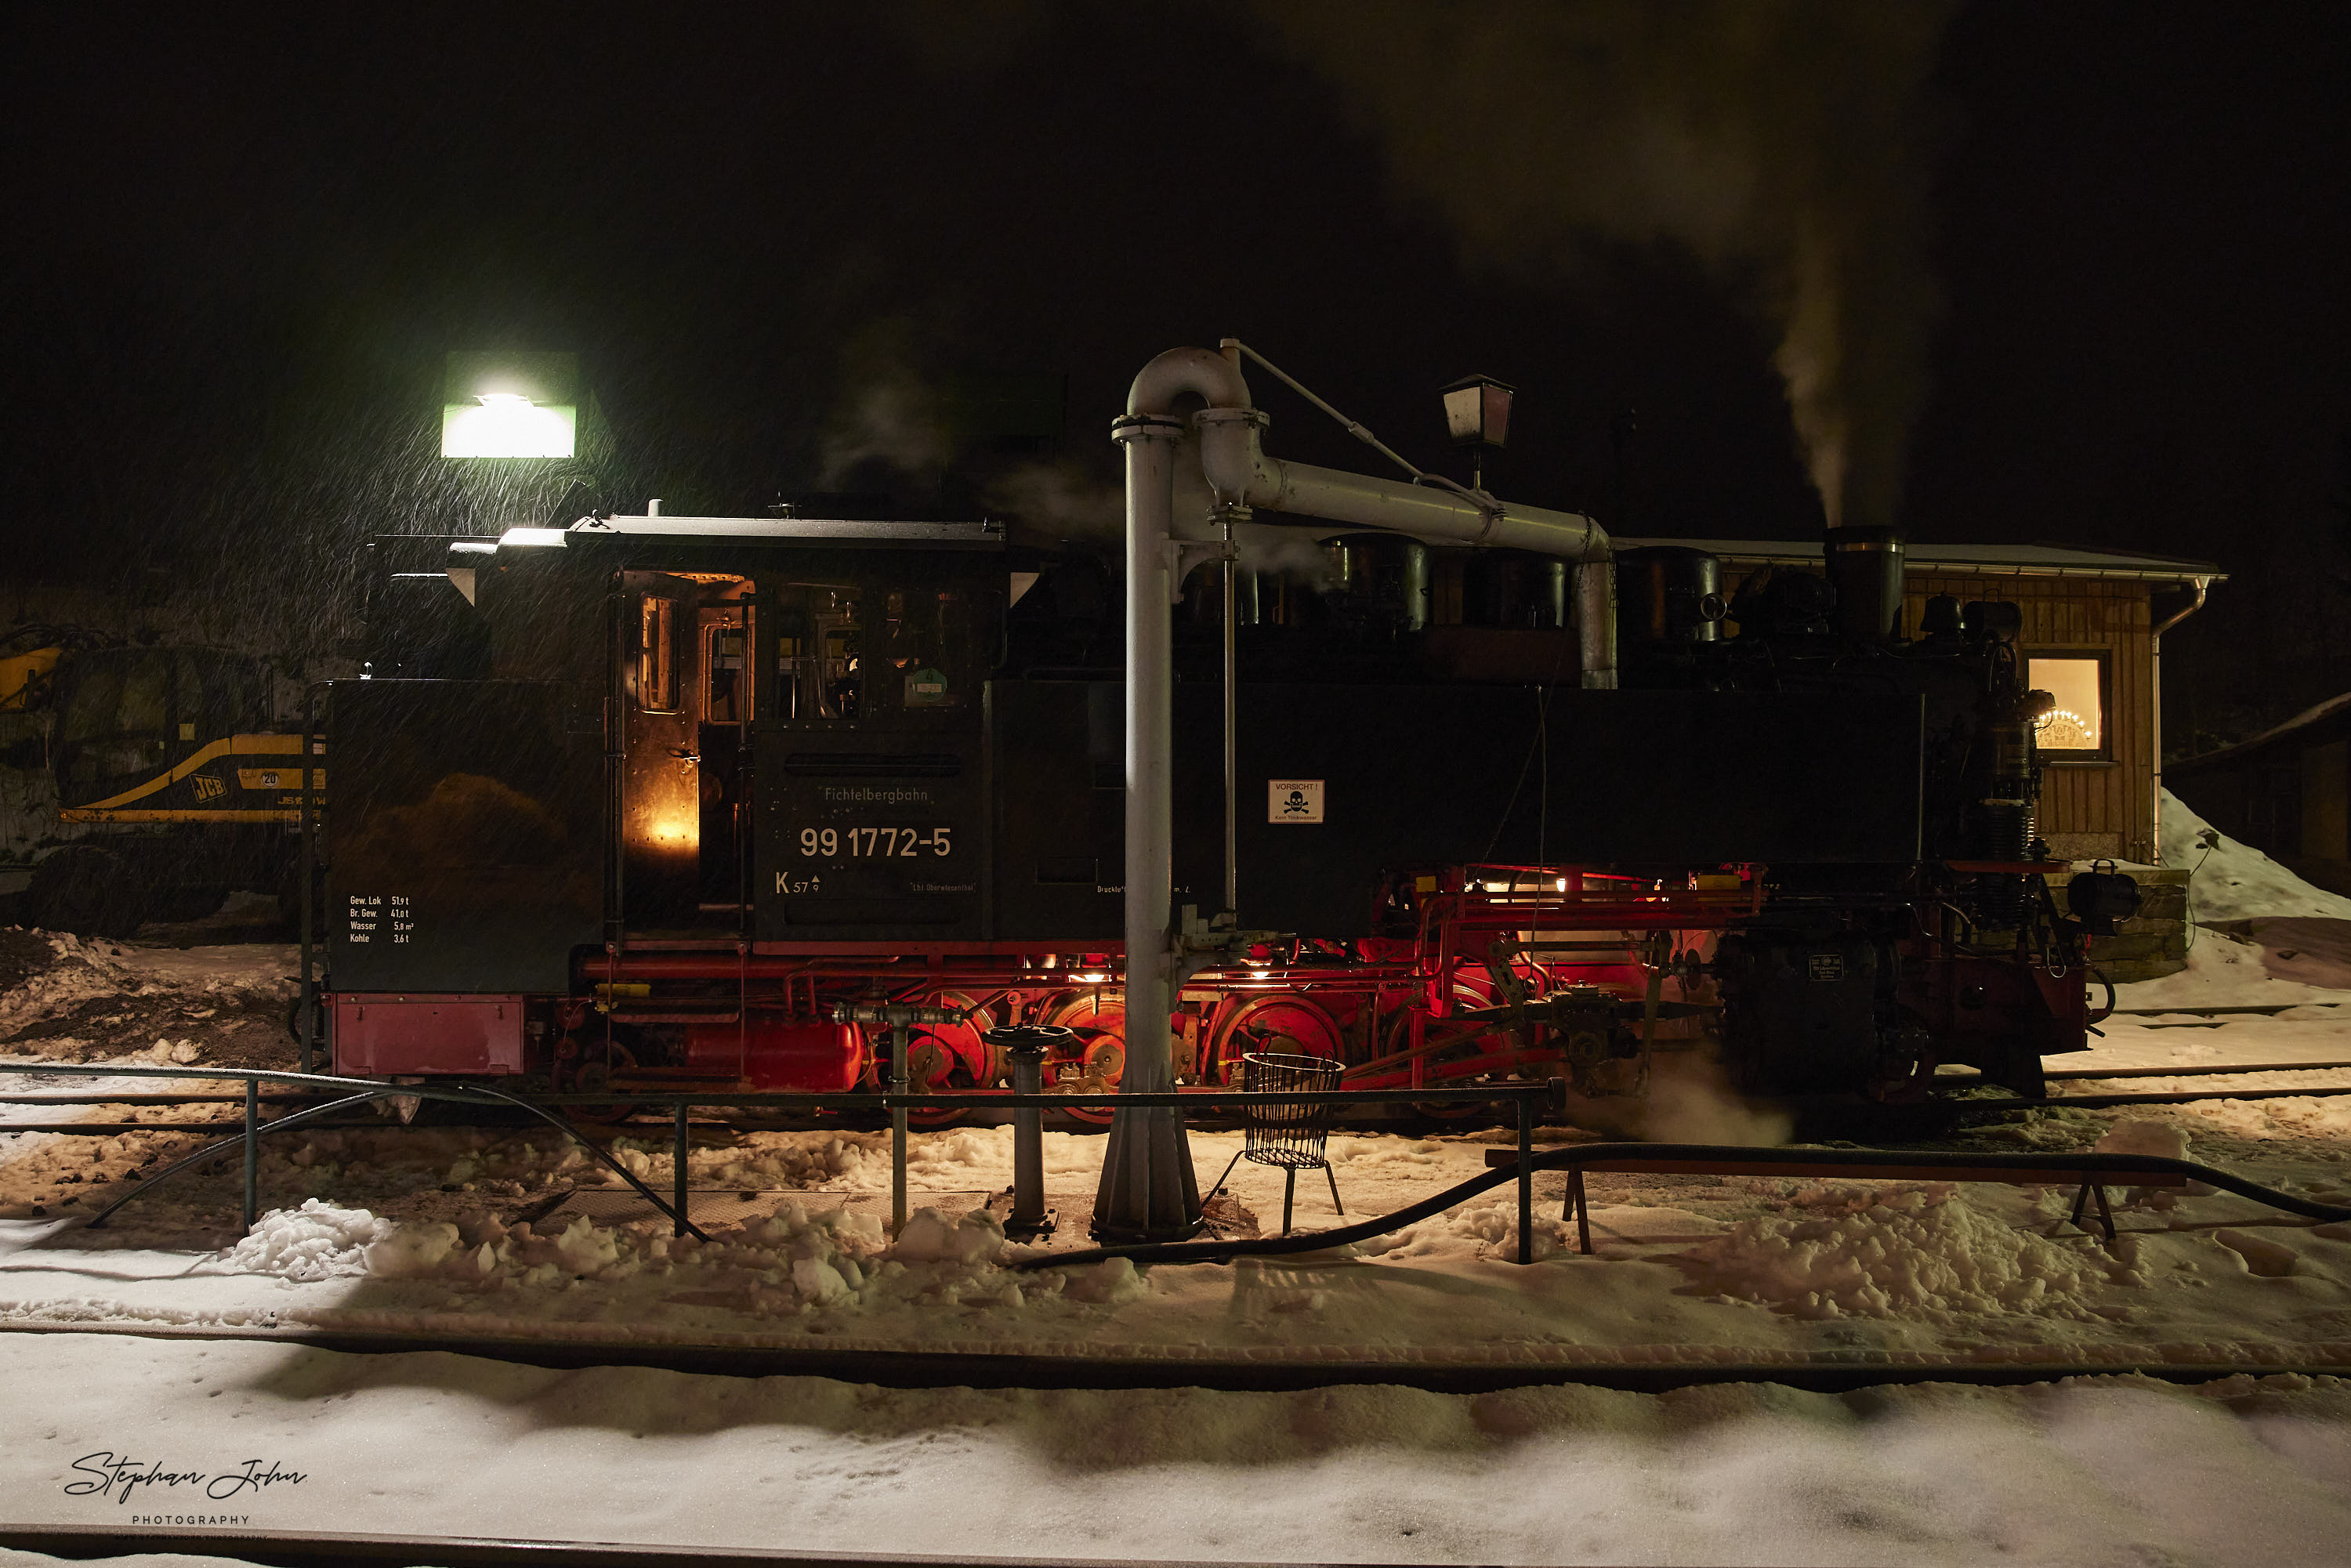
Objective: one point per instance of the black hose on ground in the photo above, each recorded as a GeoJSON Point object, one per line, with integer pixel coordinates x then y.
{"type": "Point", "coordinates": [1762, 1160]}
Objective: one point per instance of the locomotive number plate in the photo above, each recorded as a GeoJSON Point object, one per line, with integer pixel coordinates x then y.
{"type": "Point", "coordinates": [873, 843]}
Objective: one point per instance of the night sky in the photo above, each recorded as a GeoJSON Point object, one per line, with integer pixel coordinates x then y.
{"type": "Point", "coordinates": [243, 242]}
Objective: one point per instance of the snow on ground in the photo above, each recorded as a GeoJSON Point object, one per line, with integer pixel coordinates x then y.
{"type": "Point", "coordinates": [1742, 1269]}
{"type": "Point", "coordinates": [2093, 1473]}
{"type": "Point", "coordinates": [2234, 881]}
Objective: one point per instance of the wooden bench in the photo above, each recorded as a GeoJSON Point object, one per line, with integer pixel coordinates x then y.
{"type": "Point", "coordinates": [2092, 1183]}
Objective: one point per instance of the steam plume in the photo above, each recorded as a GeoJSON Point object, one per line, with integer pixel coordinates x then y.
{"type": "Point", "coordinates": [890, 421]}
{"type": "Point", "coordinates": [1783, 142]}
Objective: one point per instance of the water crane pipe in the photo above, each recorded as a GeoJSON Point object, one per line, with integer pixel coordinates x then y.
{"type": "Point", "coordinates": [1148, 1191]}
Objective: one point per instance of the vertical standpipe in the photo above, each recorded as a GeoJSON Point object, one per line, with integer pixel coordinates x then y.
{"type": "Point", "coordinates": [1148, 1190]}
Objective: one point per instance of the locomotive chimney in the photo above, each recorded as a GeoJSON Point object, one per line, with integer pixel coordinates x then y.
{"type": "Point", "coordinates": [1865, 567]}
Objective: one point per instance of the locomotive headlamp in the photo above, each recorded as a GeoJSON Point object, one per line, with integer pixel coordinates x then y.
{"type": "Point", "coordinates": [1477, 410]}
{"type": "Point", "coordinates": [510, 405]}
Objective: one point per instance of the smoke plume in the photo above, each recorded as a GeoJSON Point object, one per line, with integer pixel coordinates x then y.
{"type": "Point", "coordinates": [890, 421]}
{"type": "Point", "coordinates": [1068, 499]}
{"type": "Point", "coordinates": [1783, 142]}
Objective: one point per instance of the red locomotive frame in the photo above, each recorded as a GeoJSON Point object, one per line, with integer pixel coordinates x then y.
{"type": "Point", "coordinates": [757, 1017]}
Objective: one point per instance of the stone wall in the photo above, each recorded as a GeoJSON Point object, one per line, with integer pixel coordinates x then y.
{"type": "Point", "coordinates": [2151, 944]}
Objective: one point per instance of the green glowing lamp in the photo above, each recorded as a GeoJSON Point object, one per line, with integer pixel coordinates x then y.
{"type": "Point", "coordinates": [510, 405]}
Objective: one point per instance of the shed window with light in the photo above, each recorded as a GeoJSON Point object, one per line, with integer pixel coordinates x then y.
{"type": "Point", "coordinates": [2075, 729]}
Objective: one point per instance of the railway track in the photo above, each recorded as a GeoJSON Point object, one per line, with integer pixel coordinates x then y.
{"type": "Point", "coordinates": [1692, 1366]}
{"type": "Point", "coordinates": [1208, 1121]}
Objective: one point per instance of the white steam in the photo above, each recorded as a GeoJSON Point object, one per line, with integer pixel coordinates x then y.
{"type": "Point", "coordinates": [891, 420]}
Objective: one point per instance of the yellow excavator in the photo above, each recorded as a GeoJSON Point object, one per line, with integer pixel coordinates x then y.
{"type": "Point", "coordinates": [147, 782]}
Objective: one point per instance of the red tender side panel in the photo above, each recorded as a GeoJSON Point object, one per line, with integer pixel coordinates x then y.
{"type": "Point", "coordinates": [379, 1036]}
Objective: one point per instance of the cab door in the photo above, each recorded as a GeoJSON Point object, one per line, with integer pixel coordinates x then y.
{"type": "Point", "coordinates": [723, 633]}
{"type": "Point", "coordinates": [660, 812]}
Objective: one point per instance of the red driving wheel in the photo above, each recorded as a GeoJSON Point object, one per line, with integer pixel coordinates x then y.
{"type": "Point", "coordinates": [1098, 1020]}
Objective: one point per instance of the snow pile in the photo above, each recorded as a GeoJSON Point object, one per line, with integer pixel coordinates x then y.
{"type": "Point", "coordinates": [931, 1236]}
{"type": "Point", "coordinates": [80, 971]}
{"type": "Point", "coordinates": [834, 1262]}
{"type": "Point", "coordinates": [2267, 1258]}
{"type": "Point", "coordinates": [1876, 1252]}
{"type": "Point", "coordinates": [1487, 1224]}
{"type": "Point", "coordinates": [1111, 1282]}
{"type": "Point", "coordinates": [791, 1261]}
{"type": "Point", "coordinates": [2234, 881]}
{"type": "Point", "coordinates": [485, 1250]}
{"type": "Point", "coordinates": [2139, 1136]}
{"type": "Point", "coordinates": [2226, 970]}
{"type": "Point", "coordinates": [316, 1241]}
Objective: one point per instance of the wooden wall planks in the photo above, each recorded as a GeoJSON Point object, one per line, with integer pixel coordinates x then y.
{"type": "Point", "coordinates": [2087, 809]}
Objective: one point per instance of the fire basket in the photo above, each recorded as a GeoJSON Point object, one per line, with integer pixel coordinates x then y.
{"type": "Point", "coordinates": [1287, 1134]}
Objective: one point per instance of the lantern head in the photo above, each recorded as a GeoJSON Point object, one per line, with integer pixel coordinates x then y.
{"type": "Point", "coordinates": [1477, 410]}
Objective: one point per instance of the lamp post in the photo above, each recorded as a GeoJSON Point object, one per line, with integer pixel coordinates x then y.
{"type": "Point", "coordinates": [1477, 415]}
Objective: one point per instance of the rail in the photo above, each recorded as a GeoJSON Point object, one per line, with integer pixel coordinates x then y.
{"type": "Point", "coordinates": [1526, 1097]}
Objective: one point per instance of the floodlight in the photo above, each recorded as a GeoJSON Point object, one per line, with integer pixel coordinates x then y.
{"type": "Point", "coordinates": [506, 424]}
{"type": "Point", "coordinates": [510, 405]}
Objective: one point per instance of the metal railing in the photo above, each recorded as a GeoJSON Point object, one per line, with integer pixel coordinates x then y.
{"type": "Point", "coordinates": [1527, 1098]}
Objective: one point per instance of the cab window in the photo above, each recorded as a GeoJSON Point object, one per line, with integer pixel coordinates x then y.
{"type": "Point", "coordinates": [113, 720]}
{"type": "Point", "coordinates": [656, 653]}
{"type": "Point", "coordinates": [930, 643]}
{"type": "Point", "coordinates": [819, 651]}
{"type": "Point", "coordinates": [726, 672]}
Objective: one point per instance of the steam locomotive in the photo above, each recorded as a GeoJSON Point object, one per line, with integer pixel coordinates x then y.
{"type": "Point", "coordinates": [635, 804]}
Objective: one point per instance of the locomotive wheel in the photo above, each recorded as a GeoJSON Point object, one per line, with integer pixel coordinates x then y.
{"type": "Point", "coordinates": [586, 1073]}
{"type": "Point", "coordinates": [1099, 1021]}
{"type": "Point", "coordinates": [970, 1061]}
{"type": "Point", "coordinates": [1468, 991]}
{"type": "Point", "coordinates": [934, 1066]}
{"type": "Point", "coordinates": [1289, 1025]}
{"type": "Point", "coordinates": [1904, 1077]}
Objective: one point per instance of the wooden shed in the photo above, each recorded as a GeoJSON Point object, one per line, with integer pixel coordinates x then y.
{"type": "Point", "coordinates": [2287, 791]}
{"type": "Point", "coordinates": [2093, 633]}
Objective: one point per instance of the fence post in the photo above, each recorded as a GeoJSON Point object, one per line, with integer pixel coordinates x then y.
{"type": "Point", "coordinates": [901, 1041]}
{"type": "Point", "coordinates": [1026, 1046]}
{"type": "Point", "coordinates": [307, 870]}
{"type": "Point", "coordinates": [1526, 1176]}
{"type": "Point", "coordinates": [677, 1159]}
{"type": "Point", "coordinates": [252, 1150]}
